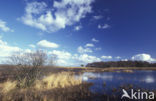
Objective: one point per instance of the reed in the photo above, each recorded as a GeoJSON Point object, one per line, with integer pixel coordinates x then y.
{"type": "Point", "coordinates": [8, 86]}
{"type": "Point", "coordinates": [59, 80]}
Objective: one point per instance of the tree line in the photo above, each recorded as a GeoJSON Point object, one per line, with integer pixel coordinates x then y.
{"type": "Point", "coordinates": [121, 64]}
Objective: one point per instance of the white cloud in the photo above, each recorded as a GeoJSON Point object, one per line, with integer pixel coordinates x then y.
{"type": "Point", "coordinates": [62, 57]}
{"type": "Point", "coordinates": [80, 49]}
{"type": "Point", "coordinates": [3, 26]}
{"type": "Point", "coordinates": [62, 13]}
{"type": "Point", "coordinates": [143, 57]}
{"type": "Point", "coordinates": [98, 17]}
{"type": "Point", "coordinates": [65, 58]}
{"type": "Point", "coordinates": [118, 57]}
{"type": "Point", "coordinates": [98, 49]}
{"type": "Point", "coordinates": [77, 28]}
{"type": "Point", "coordinates": [68, 59]}
{"type": "Point", "coordinates": [6, 50]}
{"type": "Point", "coordinates": [87, 58]}
{"type": "Point", "coordinates": [89, 45]}
{"type": "Point", "coordinates": [106, 57]}
{"type": "Point", "coordinates": [61, 54]}
{"type": "Point", "coordinates": [124, 60]}
{"type": "Point", "coordinates": [28, 51]}
{"type": "Point", "coordinates": [105, 26]}
{"type": "Point", "coordinates": [47, 44]}
{"type": "Point", "coordinates": [61, 62]}
{"type": "Point", "coordinates": [95, 40]}
{"type": "Point", "coordinates": [32, 46]}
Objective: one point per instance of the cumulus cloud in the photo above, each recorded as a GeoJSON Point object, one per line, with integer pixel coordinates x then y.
{"type": "Point", "coordinates": [6, 50]}
{"type": "Point", "coordinates": [106, 57]}
{"type": "Point", "coordinates": [98, 17]}
{"type": "Point", "coordinates": [32, 46]}
{"type": "Point", "coordinates": [62, 13]}
{"type": "Point", "coordinates": [80, 49]}
{"type": "Point", "coordinates": [95, 40]}
{"type": "Point", "coordinates": [105, 26]}
{"type": "Point", "coordinates": [61, 54]}
{"type": "Point", "coordinates": [62, 57]}
{"type": "Point", "coordinates": [68, 59]}
{"type": "Point", "coordinates": [61, 62]}
{"type": "Point", "coordinates": [89, 45]}
{"type": "Point", "coordinates": [65, 58]}
{"type": "Point", "coordinates": [77, 28]}
{"type": "Point", "coordinates": [28, 51]}
{"type": "Point", "coordinates": [4, 27]}
{"type": "Point", "coordinates": [47, 44]}
{"type": "Point", "coordinates": [124, 60]}
{"type": "Point", "coordinates": [143, 57]}
{"type": "Point", "coordinates": [85, 58]}
{"type": "Point", "coordinates": [118, 57]}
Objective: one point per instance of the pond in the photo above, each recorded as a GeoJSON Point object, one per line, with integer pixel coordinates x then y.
{"type": "Point", "coordinates": [107, 82]}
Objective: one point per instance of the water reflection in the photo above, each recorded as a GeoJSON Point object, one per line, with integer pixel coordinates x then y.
{"type": "Point", "coordinates": [140, 79]}
{"type": "Point", "coordinates": [149, 79]}
{"type": "Point", "coordinates": [89, 75]}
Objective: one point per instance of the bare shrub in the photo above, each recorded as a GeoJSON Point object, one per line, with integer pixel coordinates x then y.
{"type": "Point", "coordinates": [33, 59]}
{"type": "Point", "coordinates": [52, 60]}
{"type": "Point", "coordinates": [28, 66]}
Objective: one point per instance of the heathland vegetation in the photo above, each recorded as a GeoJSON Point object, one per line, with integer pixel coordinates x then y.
{"type": "Point", "coordinates": [33, 77]}
{"type": "Point", "coordinates": [26, 79]}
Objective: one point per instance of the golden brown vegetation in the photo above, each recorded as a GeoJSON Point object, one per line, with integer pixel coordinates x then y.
{"type": "Point", "coordinates": [59, 80]}
{"type": "Point", "coordinates": [55, 87]}
{"type": "Point", "coordinates": [8, 86]}
{"type": "Point", "coordinates": [58, 84]}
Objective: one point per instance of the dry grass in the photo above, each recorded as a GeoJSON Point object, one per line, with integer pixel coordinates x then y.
{"type": "Point", "coordinates": [59, 85]}
{"type": "Point", "coordinates": [59, 80]}
{"type": "Point", "coordinates": [72, 93]}
{"type": "Point", "coordinates": [8, 86]}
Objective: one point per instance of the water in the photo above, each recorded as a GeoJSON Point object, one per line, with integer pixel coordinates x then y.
{"type": "Point", "coordinates": [105, 82]}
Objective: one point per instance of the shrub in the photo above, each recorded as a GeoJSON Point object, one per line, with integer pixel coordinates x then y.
{"type": "Point", "coordinates": [28, 67]}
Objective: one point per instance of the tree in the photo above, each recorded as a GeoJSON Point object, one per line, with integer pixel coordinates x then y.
{"type": "Point", "coordinates": [28, 66]}
{"type": "Point", "coordinates": [31, 59]}
{"type": "Point", "coordinates": [82, 65]}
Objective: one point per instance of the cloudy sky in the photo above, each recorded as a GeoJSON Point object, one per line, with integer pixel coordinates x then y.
{"type": "Point", "coordinates": [80, 31]}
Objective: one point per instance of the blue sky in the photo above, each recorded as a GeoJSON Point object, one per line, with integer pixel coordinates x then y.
{"type": "Point", "coordinates": [80, 31]}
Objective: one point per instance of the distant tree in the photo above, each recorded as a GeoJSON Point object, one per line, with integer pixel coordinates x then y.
{"type": "Point", "coordinates": [82, 65]}
{"type": "Point", "coordinates": [121, 64]}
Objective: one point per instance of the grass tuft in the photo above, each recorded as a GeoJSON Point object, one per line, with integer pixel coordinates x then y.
{"type": "Point", "coordinates": [8, 86]}
{"type": "Point", "coordinates": [59, 80]}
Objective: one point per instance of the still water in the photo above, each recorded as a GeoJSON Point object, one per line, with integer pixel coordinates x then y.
{"type": "Point", "coordinates": [105, 82]}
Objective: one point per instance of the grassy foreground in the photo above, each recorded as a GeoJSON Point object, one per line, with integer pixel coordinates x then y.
{"type": "Point", "coordinates": [55, 87]}
{"type": "Point", "coordinates": [55, 84]}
